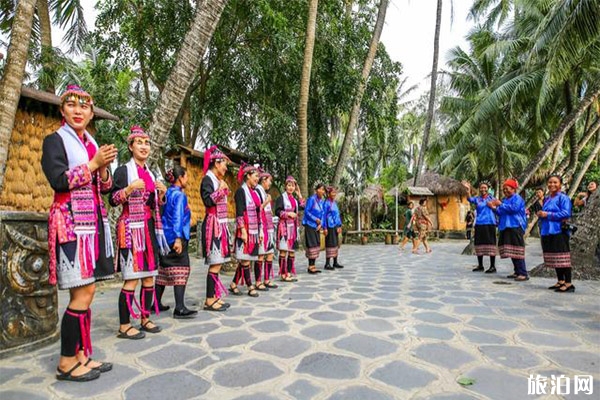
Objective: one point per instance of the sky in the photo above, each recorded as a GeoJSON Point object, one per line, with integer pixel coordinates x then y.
{"type": "Point", "coordinates": [407, 34]}
{"type": "Point", "coordinates": [409, 30]}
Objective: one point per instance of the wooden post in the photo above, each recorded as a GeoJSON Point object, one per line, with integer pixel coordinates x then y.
{"type": "Point", "coordinates": [396, 209]}
{"type": "Point", "coordinates": [183, 160]}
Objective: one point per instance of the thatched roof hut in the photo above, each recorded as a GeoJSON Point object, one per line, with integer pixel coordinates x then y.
{"type": "Point", "coordinates": [25, 186]}
{"type": "Point", "coordinates": [371, 200]}
{"type": "Point", "coordinates": [439, 185]}
{"type": "Point", "coordinates": [447, 197]}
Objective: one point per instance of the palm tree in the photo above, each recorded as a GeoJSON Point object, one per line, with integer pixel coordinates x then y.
{"type": "Point", "coordinates": [12, 78]}
{"type": "Point", "coordinates": [351, 127]}
{"type": "Point", "coordinates": [309, 44]}
{"type": "Point", "coordinates": [66, 14]}
{"type": "Point", "coordinates": [189, 58]}
{"type": "Point", "coordinates": [430, 109]}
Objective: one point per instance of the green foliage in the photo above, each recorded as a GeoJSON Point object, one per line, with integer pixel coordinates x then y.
{"type": "Point", "coordinates": [246, 92]}
{"type": "Point", "coordinates": [522, 75]}
{"type": "Point", "coordinates": [67, 15]}
{"type": "Point", "coordinates": [393, 175]}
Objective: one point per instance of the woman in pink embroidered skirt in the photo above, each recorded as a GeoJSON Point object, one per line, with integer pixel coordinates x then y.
{"type": "Point", "coordinates": [286, 208]}
{"type": "Point", "coordinates": [263, 268]}
{"type": "Point", "coordinates": [216, 237]}
{"type": "Point", "coordinates": [140, 236]}
{"type": "Point", "coordinates": [249, 233]}
{"type": "Point", "coordinates": [79, 240]}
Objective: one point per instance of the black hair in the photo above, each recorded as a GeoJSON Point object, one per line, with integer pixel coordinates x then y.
{"type": "Point", "coordinates": [175, 173]}
{"type": "Point", "coordinates": [540, 188]}
{"type": "Point", "coordinates": [560, 179]}
{"type": "Point", "coordinates": [250, 172]}
{"type": "Point", "coordinates": [422, 201]}
{"type": "Point", "coordinates": [264, 178]}
{"type": "Point", "coordinates": [319, 185]}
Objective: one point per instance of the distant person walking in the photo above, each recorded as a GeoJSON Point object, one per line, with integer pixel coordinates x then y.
{"type": "Point", "coordinates": [423, 222]}
{"type": "Point", "coordinates": [409, 231]}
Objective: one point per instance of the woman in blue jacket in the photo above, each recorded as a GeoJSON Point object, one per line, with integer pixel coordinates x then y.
{"type": "Point", "coordinates": [332, 226]}
{"type": "Point", "coordinates": [555, 241]}
{"type": "Point", "coordinates": [513, 222]}
{"type": "Point", "coordinates": [174, 268]}
{"type": "Point", "coordinates": [313, 224]}
{"type": "Point", "coordinates": [485, 227]}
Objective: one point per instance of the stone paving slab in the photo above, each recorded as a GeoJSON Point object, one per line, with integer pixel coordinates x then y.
{"type": "Point", "coordinates": [390, 325]}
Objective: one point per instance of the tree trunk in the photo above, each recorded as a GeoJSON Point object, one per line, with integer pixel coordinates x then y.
{"type": "Point", "coordinates": [575, 184]}
{"type": "Point", "coordinates": [430, 109]}
{"type": "Point", "coordinates": [144, 75]}
{"type": "Point", "coordinates": [188, 60]}
{"type": "Point", "coordinates": [572, 133]}
{"type": "Point", "coordinates": [556, 136]}
{"type": "Point", "coordinates": [309, 44]}
{"type": "Point", "coordinates": [584, 242]}
{"type": "Point", "coordinates": [499, 158]}
{"type": "Point", "coordinates": [14, 69]}
{"type": "Point", "coordinates": [354, 114]}
{"type": "Point", "coordinates": [348, 8]}
{"type": "Point", "coordinates": [46, 41]}
{"type": "Point", "coordinates": [587, 136]}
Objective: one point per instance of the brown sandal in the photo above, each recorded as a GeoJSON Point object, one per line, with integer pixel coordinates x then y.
{"type": "Point", "coordinates": [252, 292]}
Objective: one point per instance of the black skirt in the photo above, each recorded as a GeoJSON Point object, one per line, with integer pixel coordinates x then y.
{"type": "Point", "coordinates": [312, 237]}
{"type": "Point", "coordinates": [332, 238]}
{"type": "Point", "coordinates": [485, 240]}
{"type": "Point", "coordinates": [511, 243]}
{"type": "Point", "coordinates": [557, 251]}
{"type": "Point", "coordinates": [176, 260]}
{"type": "Point", "coordinates": [174, 268]}
{"type": "Point", "coordinates": [312, 242]}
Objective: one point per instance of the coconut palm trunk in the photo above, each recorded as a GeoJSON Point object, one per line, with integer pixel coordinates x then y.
{"type": "Point", "coordinates": [43, 13]}
{"type": "Point", "coordinates": [430, 108]}
{"type": "Point", "coordinates": [309, 44]}
{"type": "Point", "coordinates": [189, 58]}
{"type": "Point", "coordinates": [584, 243]}
{"type": "Point", "coordinates": [584, 168]}
{"type": "Point", "coordinates": [354, 114]}
{"type": "Point", "coordinates": [557, 136]}
{"type": "Point", "coordinates": [10, 86]}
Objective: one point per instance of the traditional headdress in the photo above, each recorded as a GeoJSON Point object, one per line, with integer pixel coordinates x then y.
{"type": "Point", "coordinates": [212, 154]}
{"type": "Point", "coordinates": [245, 169]}
{"type": "Point", "coordinates": [290, 179]}
{"type": "Point", "coordinates": [136, 131]}
{"type": "Point", "coordinates": [170, 176]}
{"type": "Point", "coordinates": [330, 189]}
{"type": "Point", "coordinates": [77, 94]}
{"type": "Point", "coordinates": [263, 174]}
{"type": "Point", "coordinates": [510, 182]}
{"type": "Point", "coordinates": [484, 182]}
